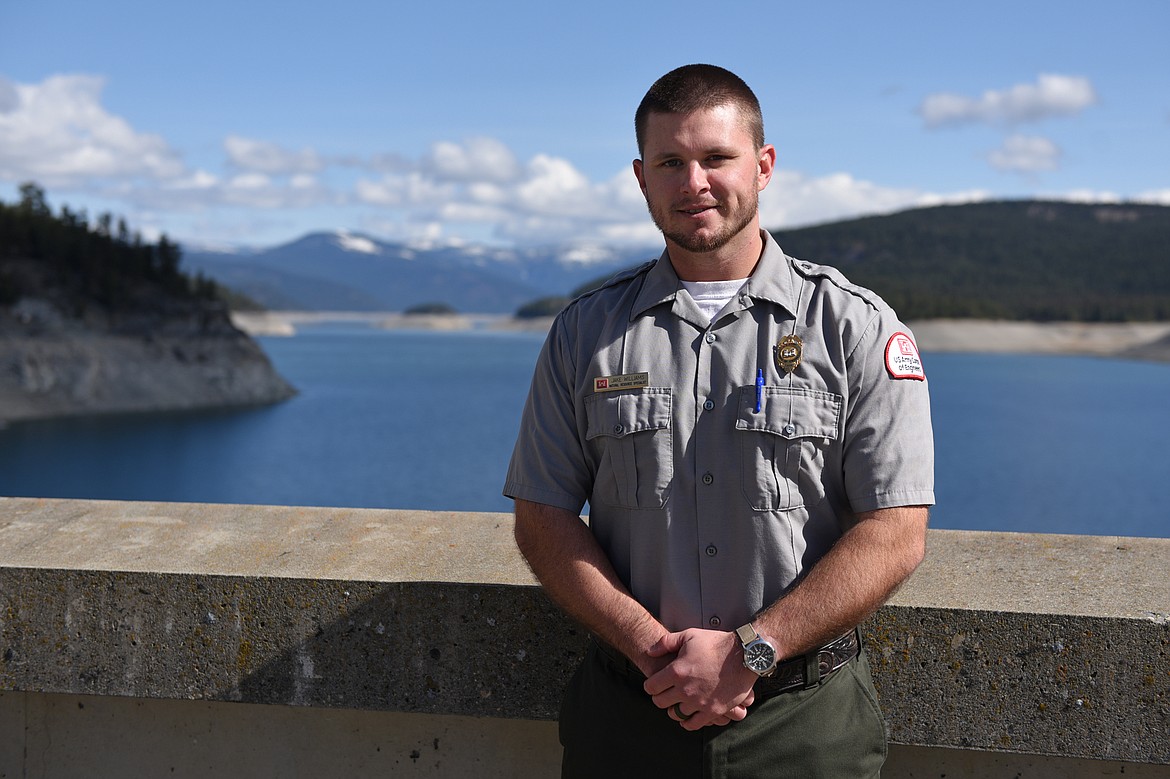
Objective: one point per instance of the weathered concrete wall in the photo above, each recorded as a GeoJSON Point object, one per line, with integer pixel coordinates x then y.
{"type": "Point", "coordinates": [46, 736]}
{"type": "Point", "coordinates": [1034, 643]}
{"type": "Point", "coordinates": [1003, 648]}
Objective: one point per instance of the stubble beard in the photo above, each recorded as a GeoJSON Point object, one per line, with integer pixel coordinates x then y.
{"type": "Point", "coordinates": [702, 244]}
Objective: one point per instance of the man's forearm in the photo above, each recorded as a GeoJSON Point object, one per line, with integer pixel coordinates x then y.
{"type": "Point", "coordinates": [579, 578]}
{"type": "Point", "coordinates": [858, 575]}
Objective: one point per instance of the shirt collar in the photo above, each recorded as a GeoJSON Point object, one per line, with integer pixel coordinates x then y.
{"type": "Point", "coordinates": [773, 280]}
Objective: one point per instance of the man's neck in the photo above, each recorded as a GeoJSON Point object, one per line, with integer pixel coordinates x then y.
{"type": "Point", "coordinates": [735, 260]}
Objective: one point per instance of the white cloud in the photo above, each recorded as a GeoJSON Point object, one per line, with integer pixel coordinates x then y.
{"type": "Point", "coordinates": [1156, 197]}
{"type": "Point", "coordinates": [478, 159]}
{"type": "Point", "coordinates": [638, 233]}
{"type": "Point", "coordinates": [199, 179]}
{"type": "Point", "coordinates": [1084, 196]}
{"type": "Point", "coordinates": [377, 193]}
{"type": "Point", "coordinates": [487, 192]}
{"type": "Point", "coordinates": [1052, 95]}
{"type": "Point", "coordinates": [412, 232]}
{"type": "Point", "coordinates": [268, 157]}
{"type": "Point", "coordinates": [258, 190]}
{"type": "Point", "coordinates": [928, 199]}
{"type": "Point", "coordinates": [379, 163]}
{"type": "Point", "coordinates": [404, 190]}
{"type": "Point", "coordinates": [552, 186]}
{"type": "Point", "coordinates": [57, 133]}
{"type": "Point", "coordinates": [199, 190]}
{"type": "Point", "coordinates": [793, 199]}
{"type": "Point", "coordinates": [546, 199]}
{"type": "Point", "coordinates": [1025, 154]}
{"type": "Point", "coordinates": [456, 211]}
{"type": "Point", "coordinates": [249, 181]}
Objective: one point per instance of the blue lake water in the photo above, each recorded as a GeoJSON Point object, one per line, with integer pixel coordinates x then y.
{"type": "Point", "coordinates": [401, 419]}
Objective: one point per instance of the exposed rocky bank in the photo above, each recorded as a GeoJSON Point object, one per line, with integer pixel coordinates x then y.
{"type": "Point", "coordinates": [1148, 341]}
{"type": "Point", "coordinates": [188, 357]}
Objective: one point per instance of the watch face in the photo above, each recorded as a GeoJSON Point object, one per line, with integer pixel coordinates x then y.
{"type": "Point", "coordinates": [759, 656]}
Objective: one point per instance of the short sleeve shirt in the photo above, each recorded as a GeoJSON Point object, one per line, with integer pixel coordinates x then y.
{"type": "Point", "coordinates": [709, 494]}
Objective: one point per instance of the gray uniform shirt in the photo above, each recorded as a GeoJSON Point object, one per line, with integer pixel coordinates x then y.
{"type": "Point", "coordinates": [709, 509]}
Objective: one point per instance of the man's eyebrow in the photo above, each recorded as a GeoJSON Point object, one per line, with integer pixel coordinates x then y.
{"type": "Point", "coordinates": [724, 151]}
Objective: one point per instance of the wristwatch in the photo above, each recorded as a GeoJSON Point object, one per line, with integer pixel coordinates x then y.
{"type": "Point", "coordinates": [758, 653]}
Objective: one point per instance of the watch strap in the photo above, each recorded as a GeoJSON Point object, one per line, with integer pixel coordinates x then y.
{"type": "Point", "coordinates": [747, 634]}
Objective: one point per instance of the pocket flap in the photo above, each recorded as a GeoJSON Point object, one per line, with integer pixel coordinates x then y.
{"type": "Point", "coordinates": [621, 413]}
{"type": "Point", "coordinates": [790, 412]}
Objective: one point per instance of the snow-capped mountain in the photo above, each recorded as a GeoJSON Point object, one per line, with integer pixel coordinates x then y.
{"type": "Point", "coordinates": [344, 271]}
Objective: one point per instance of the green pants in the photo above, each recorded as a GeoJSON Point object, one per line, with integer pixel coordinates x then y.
{"type": "Point", "coordinates": [611, 729]}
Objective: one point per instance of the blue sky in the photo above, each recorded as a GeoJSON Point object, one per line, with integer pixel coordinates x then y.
{"type": "Point", "coordinates": [252, 123]}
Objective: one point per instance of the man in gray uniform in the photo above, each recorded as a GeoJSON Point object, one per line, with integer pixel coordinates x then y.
{"type": "Point", "coordinates": [752, 435]}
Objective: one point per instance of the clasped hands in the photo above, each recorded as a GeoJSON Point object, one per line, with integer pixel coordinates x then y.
{"type": "Point", "coordinates": [701, 679]}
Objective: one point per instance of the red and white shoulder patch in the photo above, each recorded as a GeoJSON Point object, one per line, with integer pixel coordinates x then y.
{"type": "Point", "coordinates": [902, 358]}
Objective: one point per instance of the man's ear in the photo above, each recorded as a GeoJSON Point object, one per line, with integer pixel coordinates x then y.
{"type": "Point", "coordinates": [638, 175]}
{"type": "Point", "coordinates": [766, 165]}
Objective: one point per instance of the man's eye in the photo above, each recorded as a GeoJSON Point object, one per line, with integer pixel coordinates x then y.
{"type": "Point", "coordinates": [671, 163]}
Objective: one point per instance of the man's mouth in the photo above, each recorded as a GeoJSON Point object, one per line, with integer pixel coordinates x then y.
{"type": "Point", "coordinates": [695, 210]}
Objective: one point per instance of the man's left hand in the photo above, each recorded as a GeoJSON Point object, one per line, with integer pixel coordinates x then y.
{"type": "Point", "coordinates": [706, 679]}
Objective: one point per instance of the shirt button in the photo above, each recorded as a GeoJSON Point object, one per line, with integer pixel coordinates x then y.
{"type": "Point", "coordinates": [709, 338]}
{"type": "Point", "coordinates": [714, 622]}
{"type": "Point", "coordinates": [708, 404]}
{"type": "Point", "coordinates": [708, 478]}
{"type": "Point", "coordinates": [711, 550]}
{"type": "Point", "coordinates": [618, 428]}
{"type": "Point", "coordinates": [789, 429]}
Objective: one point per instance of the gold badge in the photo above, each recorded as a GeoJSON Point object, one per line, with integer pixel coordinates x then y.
{"type": "Point", "coordinates": [789, 350]}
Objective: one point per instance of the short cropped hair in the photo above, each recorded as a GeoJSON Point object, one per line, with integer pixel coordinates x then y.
{"type": "Point", "coordinates": [696, 88]}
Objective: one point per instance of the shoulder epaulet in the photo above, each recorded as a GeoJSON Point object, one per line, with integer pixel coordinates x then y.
{"type": "Point", "coordinates": [619, 278]}
{"type": "Point", "coordinates": [835, 277]}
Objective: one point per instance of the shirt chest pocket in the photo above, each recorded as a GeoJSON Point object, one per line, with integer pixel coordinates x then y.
{"type": "Point", "coordinates": [630, 433]}
{"type": "Point", "coordinates": [784, 444]}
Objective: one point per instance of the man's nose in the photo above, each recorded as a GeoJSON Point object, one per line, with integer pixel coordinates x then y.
{"type": "Point", "coordinates": [696, 179]}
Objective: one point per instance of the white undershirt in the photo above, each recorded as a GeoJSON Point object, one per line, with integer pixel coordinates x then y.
{"type": "Point", "coordinates": [712, 296]}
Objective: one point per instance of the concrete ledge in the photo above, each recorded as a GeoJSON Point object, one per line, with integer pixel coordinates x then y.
{"type": "Point", "coordinates": [1041, 645]}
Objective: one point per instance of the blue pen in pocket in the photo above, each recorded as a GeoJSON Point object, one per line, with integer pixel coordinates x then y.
{"type": "Point", "coordinates": [759, 389]}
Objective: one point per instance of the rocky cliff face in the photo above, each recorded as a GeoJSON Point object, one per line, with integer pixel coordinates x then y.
{"type": "Point", "coordinates": [187, 357]}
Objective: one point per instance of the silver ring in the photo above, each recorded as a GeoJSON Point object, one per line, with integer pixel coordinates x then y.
{"type": "Point", "coordinates": [677, 709]}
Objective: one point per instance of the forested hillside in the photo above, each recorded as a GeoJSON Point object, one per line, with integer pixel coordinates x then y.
{"type": "Point", "coordinates": [92, 273]}
{"type": "Point", "coordinates": [95, 320]}
{"type": "Point", "coordinates": [1032, 260]}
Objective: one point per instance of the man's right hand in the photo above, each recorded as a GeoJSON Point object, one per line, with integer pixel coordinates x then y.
{"type": "Point", "coordinates": [705, 680]}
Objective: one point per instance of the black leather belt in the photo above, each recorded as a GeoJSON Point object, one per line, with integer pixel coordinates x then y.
{"type": "Point", "coordinates": [801, 673]}
{"type": "Point", "coordinates": [798, 673]}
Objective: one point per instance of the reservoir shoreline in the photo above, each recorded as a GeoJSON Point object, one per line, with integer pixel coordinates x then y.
{"type": "Point", "coordinates": [97, 375]}
{"type": "Point", "coordinates": [1148, 341]}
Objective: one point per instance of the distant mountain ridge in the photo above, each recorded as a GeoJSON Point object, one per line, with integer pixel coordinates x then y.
{"type": "Point", "coordinates": [343, 271]}
{"type": "Point", "coordinates": [1021, 260]}
{"type": "Point", "coordinates": [1027, 259]}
